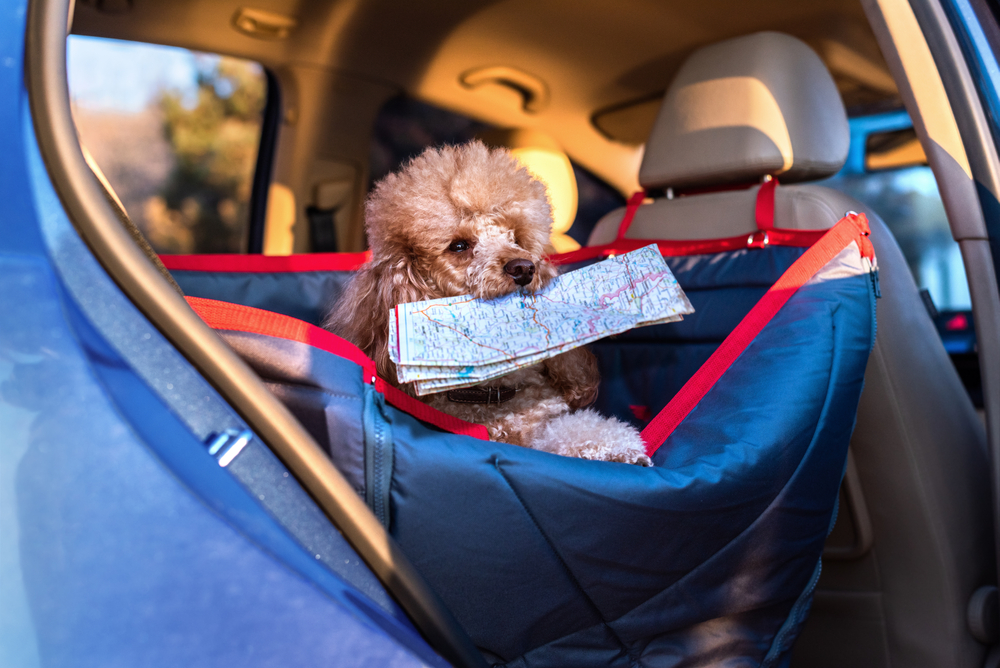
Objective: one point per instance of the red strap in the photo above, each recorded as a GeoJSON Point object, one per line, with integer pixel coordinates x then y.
{"type": "Point", "coordinates": [244, 263]}
{"type": "Point", "coordinates": [852, 227]}
{"type": "Point", "coordinates": [235, 317]}
{"type": "Point", "coordinates": [764, 211]}
{"type": "Point", "coordinates": [235, 262]}
{"type": "Point", "coordinates": [670, 248]}
{"type": "Point", "coordinates": [634, 202]}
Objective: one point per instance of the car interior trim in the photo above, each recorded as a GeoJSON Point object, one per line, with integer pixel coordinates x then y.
{"type": "Point", "coordinates": [264, 167]}
{"type": "Point", "coordinates": [128, 266]}
{"type": "Point", "coordinates": [923, 92]}
{"type": "Point", "coordinates": [928, 95]}
{"type": "Point", "coordinates": [976, 253]}
{"type": "Point", "coordinates": [897, 29]}
{"type": "Point", "coordinates": [856, 506]}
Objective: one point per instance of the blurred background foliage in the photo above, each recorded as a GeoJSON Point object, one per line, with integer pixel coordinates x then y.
{"type": "Point", "coordinates": [176, 132]}
{"type": "Point", "coordinates": [204, 204]}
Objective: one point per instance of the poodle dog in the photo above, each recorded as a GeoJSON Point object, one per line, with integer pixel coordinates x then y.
{"type": "Point", "coordinates": [470, 220]}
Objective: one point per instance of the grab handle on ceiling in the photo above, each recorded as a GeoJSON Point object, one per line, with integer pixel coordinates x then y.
{"type": "Point", "coordinates": [533, 91]}
{"type": "Point", "coordinates": [261, 24]}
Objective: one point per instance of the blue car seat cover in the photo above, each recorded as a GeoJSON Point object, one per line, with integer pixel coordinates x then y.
{"type": "Point", "coordinates": [708, 557]}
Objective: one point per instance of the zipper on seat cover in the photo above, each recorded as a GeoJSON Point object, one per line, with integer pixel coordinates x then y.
{"type": "Point", "coordinates": [378, 453]}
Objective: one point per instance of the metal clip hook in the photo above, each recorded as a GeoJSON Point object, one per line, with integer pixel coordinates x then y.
{"type": "Point", "coordinates": [758, 240]}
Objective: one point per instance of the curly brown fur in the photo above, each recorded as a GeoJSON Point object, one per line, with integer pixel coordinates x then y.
{"type": "Point", "coordinates": [446, 225]}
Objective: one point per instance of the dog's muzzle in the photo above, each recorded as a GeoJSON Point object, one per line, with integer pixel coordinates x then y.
{"type": "Point", "coordinates": [482, 395]}
{"type": "Point", "coordinates": [521, 270]}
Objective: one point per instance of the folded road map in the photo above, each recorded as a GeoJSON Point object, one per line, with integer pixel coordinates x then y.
{"type": "Point", "coordinates": [445, 344]}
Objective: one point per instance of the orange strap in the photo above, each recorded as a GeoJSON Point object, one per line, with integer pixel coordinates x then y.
{"type": "Point", "coordinates": [239, 318]}
{"type": "Point", "coordinates": [852, 227]}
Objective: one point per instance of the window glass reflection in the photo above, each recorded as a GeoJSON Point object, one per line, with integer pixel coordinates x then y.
{"type": "Point", "coordinates": [908, 201]}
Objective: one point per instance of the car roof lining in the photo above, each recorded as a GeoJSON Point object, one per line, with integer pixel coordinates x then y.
{"type": "Point", "coordinates": [603, 59]}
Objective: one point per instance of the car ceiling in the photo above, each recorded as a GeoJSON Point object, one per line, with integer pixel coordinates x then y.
{"type": "Point", "coordinates": [604, 65]}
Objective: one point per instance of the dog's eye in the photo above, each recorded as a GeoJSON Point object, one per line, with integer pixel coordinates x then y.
{"type": "Point", "coordinates": [459, 246]}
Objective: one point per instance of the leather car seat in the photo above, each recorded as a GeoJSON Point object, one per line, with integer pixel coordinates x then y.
{"type": "Point", "coordinates": [913, 539]}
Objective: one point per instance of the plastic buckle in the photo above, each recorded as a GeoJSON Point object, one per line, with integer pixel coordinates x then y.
{"type": "Point", "coordinates": [758, 240]}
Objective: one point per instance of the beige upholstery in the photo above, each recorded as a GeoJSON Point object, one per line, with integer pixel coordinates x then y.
{"type": "Point", "coordinates": [723, 214]}
{"type": "Point", "coordinates": [899, 599]}
{"type": "Point", "coordinates": [738, 110]}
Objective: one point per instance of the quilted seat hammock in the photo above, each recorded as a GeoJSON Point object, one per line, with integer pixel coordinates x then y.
{"type": "Point", "coordinates": [547, 560]}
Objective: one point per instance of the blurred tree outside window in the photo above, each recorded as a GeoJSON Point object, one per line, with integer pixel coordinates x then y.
{"type": "Point", "coordinates": [176, 133]}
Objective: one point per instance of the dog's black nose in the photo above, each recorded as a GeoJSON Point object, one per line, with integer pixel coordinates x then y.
{"type": "Point", "coordinates": [522, 271]}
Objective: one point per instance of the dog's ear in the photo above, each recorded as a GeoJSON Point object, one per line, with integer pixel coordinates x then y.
{"type": "Point", "coordinates": [361, 315]}
{"type": "Point", "coordinates": [575, 376]}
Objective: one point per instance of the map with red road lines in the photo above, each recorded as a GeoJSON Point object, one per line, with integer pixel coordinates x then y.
{"type": "Point", "coordinates": [444, 344]}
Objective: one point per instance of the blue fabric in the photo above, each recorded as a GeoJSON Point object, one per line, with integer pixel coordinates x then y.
{"type": "Point", "coordinates": [305, 295]}
{"type": "Point", "coordinates": [646, 367]}
{"type": "Point", "coordinates": [706, 559]}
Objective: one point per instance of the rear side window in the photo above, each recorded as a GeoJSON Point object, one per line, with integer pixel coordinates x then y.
{"type": "Point", "coordinates": [176, 133]}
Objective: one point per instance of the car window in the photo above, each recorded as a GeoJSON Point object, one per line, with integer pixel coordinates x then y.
{"type": "Point", "coordinates": [176, 133]}
{"type": "Point", "coordinates": [405, 126]}
{"type": "Point", "coordinates": [887, 170]}
{"type": "Point", "coordinates": [880, 172]}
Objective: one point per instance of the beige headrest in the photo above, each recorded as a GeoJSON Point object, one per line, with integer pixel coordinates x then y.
{"type": "Point", "coordinates": [740, 109]}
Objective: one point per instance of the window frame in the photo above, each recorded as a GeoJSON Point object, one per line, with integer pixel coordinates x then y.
{"type": "Point", "coordinates": [264, 168]}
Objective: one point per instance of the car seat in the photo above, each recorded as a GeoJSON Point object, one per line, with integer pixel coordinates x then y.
{"type": "Point", "coordinates": [913, 540]}
{"type": "Point", "coordinates": [711, 555]}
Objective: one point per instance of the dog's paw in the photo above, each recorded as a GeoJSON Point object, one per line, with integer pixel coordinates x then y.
{"type": "Point", "coordinates": [630, 450]}
{"type": "Point", "coordinates": [589, 435]}
{"type": "Point", "coordinates": [635, 456]}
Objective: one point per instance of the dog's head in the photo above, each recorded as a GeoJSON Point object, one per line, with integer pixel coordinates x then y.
{"type": "Point", "coordinates": [455, 220]}
{"type": "Point", "coordinates": [463, 220]}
